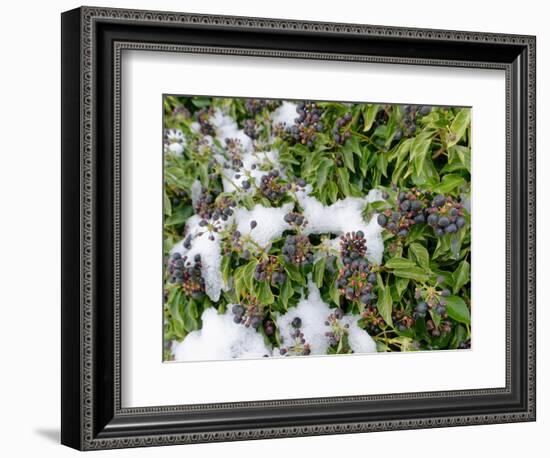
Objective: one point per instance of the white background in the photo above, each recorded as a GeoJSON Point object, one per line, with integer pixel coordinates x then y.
{"type": "Point", "coordinates": [148, 75]}
{"type": "Point", "coordinates": [30, 245]}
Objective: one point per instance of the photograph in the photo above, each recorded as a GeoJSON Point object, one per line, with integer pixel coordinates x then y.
{"type": "Point", "coordinates": [314, 228]}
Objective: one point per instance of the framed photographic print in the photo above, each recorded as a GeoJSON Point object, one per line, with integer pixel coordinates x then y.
{"type": "Point", "coordinates": [276, 228]}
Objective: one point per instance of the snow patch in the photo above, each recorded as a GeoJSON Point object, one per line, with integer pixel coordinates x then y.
{"type": "Point", "coordinates": [285, 114]}
{"type": "Point", "coordinates": [210, 252]}
{"type": "Point", "coordinates": [260, 160]}
{"type": "Point", "coordinates": [359, 340]}
{"type": "Point", "coordinates": [341, 217]}
{"type": "Point", "coordinates": [226, 127]}
{"type": "Point", "coordinates": [270, 220]}
{"type": "Point", "coordinates": [313, 312]}
{"type": "Point", "coordinates": [220, 339]}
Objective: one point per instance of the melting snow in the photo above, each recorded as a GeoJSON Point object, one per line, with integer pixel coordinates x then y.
{"type": "Point", "coordinates": [285, 114]}
{"type": "Point", "coordinates": [313, 312]}
{"type": "Point", "coordinates": [271, 223]}
{"type": "Point", "coordinates": [344, 216]}
{"type": "Point", "coordinates": [220, 339]}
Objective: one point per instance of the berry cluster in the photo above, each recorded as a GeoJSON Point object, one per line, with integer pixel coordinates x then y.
{"type": "Point", "coordinates": [431, 299]}
{"type": "Point", "coordinates": [295, 219]}
{"type": "Point", "coordinates": [341, 132]}
{"type": "Point", "coordinates": [249, 316]}
{"type": "Point", "coordinates": [409, 211]}
{"type": "Point", "coordinates": [272, 187]}
{"type": "Point", "coordinates": [436, 331]}
{"type": "Point", "coordinates": [372, 321]}
{"type": "Point", "coordinates": [355, 279]}
{"type": "Point", "coordinates": [401, 320]}
{"type": "Point", "coordinates": [204, 206]}
{"type": "Point", "coordinates": [410, 113]}
{"type": "Point", "coordinates": [271, 271]}
{"type": "Point", "coordinates": [297, 250]}
{"type": "Point", "coordinates": [252, 128]}
{"type": "Point", "coordinates": [224, 208]}
{"type": "Point", "coordinates": [307, 124]}
{"type": "Point", "coordinates": [180, 112]}
{"type": "Point", "coordinates": [445, 215]}
{"type": "Point", "coordinates": [256, 106]}
{"type": "Point", "coordinates": [298, 346]}
{"type": "Point", "coordinates": [338, 332]}
{"type": "Point", "coordinates": [203, 117]}
{"type": "Point", "coordinates": [188, 275]}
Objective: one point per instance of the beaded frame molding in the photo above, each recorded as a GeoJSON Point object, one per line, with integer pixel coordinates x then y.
{"type": "Point", "coordinates": [93, 40]}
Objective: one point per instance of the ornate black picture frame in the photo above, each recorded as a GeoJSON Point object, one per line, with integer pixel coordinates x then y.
{"type": "Point", "coordinates": [92, 42]}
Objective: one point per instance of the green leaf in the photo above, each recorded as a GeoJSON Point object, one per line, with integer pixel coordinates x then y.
{"type": "Point", "coordinates": [286, 293]}
{"type": "Point", "coordinates": [420, 254]}
{"type": "Point", "coordinates": [399, 263]}
{"type": "Point", "coordinates": [179, 216]}
{"type": "Point", "coordinates": [167, 205]}
{"type": "Point", "coordinates": [190, 316]}
{"type": "Point", "coordinates": [461, 276]}
{"type": "Point", "coordinates": [201, 102]}
{"type": "Point", "coordinates": [457, 309]}
{"type": "Point", "coordinates": [263, 291]}
{"type": "Point", "coordinates": [343, 178]}
{"type": "Point", "coordinates": [322, 172]}
{"type": "Point", "coordinates": [295, 274]}
{"type": "Point", "coordinates": [319, 271]}
{"type": "Point", "coordinates": [449, 182]}
{"type": "Point", "coordinates": [458, 127]}
{"type": "Point", "coordinates": [348, 159]}
{"type": "Point", "coordinates": [413, 273]}
{"type": "Point", "coordinates": [226, 269]}
{"type": "Point", "coordinates": [248, 274]}
{"type": "Point", "coordinates": [401, 285]}
{"type": "Point", "coordinates": [369, 115]}
{"type": "Point", "coordinates": [332, 191]}
{"type": "Point", "coordinates": [385, 305]}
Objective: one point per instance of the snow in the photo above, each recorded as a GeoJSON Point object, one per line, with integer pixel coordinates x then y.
{"type": "Point", "coordinates": [341, 217]}
{"type": "Point", "coordinates": [285, 114]}
{"type": "Point", "coordinates": [226, 127]}
{"type": "Point", "coordinates": [220, 339]}
{"type": "Point", "coordinates": [259, 159]}
{"type": "Point", "coordinates": [175, 141]}
{"type": "Point", "coordinates": [211, 255]}
{"type": "Point", "coordinates": [313, 312]}
{"type": "Point", "coordinates": [359, 340]}
{"type": "Point", "coordinates": [271, 223]}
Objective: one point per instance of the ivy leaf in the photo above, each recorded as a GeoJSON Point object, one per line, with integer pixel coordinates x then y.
{"type": "Point", "coordinates": [413, 273]}
{"type": "Point", "coordinates": [348, 159]}
{"type": "Point", "coordinates": [263, 291]}
{"type": "Point", "coordinates": [248, 274]}
{"type": "Point", "coordinates": [399, 263]}
{"type": "Point", "coordinates": [369, 116]}
{"type": "Point", "coordinates": [167, 205]}
{"type": "Point", "coordinates": [449, 182]}
{"type": "Point", "coordinates": [179, 216]}
{"type": "Point", "coordinates": [458, 127]}
{"type": "Point", "coordinates": [226, 269]}
{"type": "Point", "coordinates": [457, 309]}
{"type": "Point", "coordinates": [295, 274]}
{"type": "Point", "coordinates": [343, 178]}
{"type": "Point", "coordinates": [190, 316]}
{"type": "Point", "coordinates": [461, 276]}
{"type": "Point", "coordinates": [420, 254]}
{"type": "Point", "coordinates": [385, 305]}
{"type": "Point", "coordinates": [319, 272]}
{"type": "Point", "coordinates": [286, 293]}
{"type": "Point", "coordinates": [401, 285]}
{"type": "Point", "coordinates": [322, 172]}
